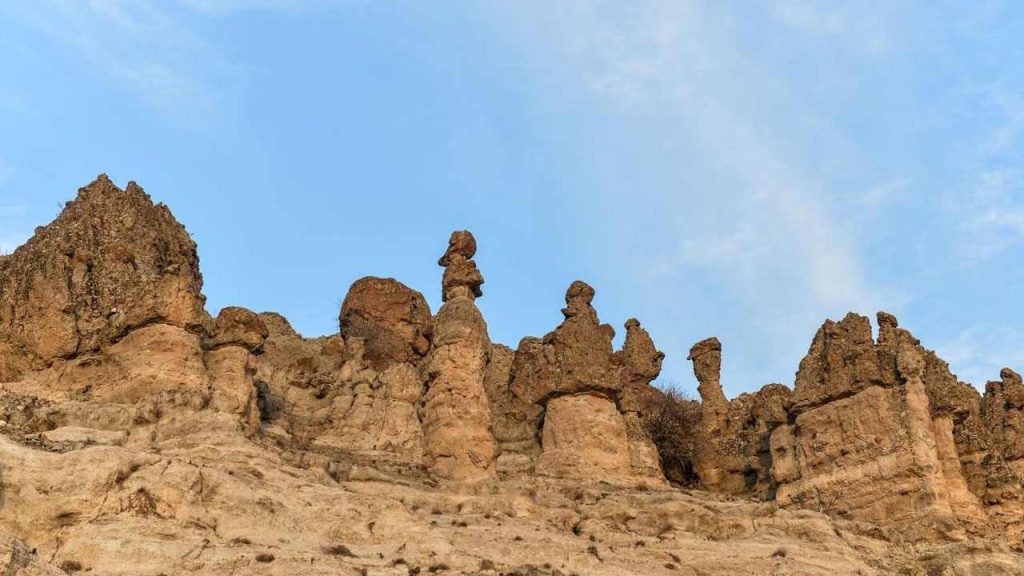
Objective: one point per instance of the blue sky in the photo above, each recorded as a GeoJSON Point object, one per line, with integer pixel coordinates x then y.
{"type": "Point", "coordinates": [737, 169]}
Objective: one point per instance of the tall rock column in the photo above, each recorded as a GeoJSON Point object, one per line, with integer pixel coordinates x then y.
{"type": "Point", "coordinates": [456, 413]}
{"type": "Point", "coordinates": [709, 464]}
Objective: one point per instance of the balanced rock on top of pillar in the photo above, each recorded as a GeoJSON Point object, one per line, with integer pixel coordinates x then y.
{"type": "Point", "coordinates": [456, 411]}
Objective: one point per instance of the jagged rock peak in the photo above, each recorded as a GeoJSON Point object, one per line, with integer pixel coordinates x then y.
{"type": "Point", "coordinates": [641, 359]}
{"type": "Point", "coordinates": [111, 261]}
{"type": "Point", "coordinates": [578, 299]}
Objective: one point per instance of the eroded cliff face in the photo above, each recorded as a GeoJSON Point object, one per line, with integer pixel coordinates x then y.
{"type": "Point", "coordinates": [112, 262]}
{"type": "Point", "coordinates": [590, 395]}
{"type": "Point", "coordinates": [131, 419]}
{"type": "Point", "coordinates": [878, 431]}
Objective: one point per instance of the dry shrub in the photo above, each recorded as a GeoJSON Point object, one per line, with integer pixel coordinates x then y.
{"type": "Point", "coordinates": [672, 420]}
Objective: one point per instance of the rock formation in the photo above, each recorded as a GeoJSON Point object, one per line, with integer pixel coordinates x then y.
{"type": "Point", "coordinates": [111, 263]}
{"type": "Point", "coordinates": [591, 428]}
{"type": "Point", "coordinates": [733, 455]}
{"type": "Point", "coordinates": [393, 320]}
{"type": "Point", "coordinates": [409, 443]}
{"type": "Point", "coordinates": [456, 411]}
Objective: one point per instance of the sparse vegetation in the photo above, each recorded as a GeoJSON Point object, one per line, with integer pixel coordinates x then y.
{"type": "Point", "coordinates": [672, 419]}
{"type": "Point", "coordinates": [339, 550]}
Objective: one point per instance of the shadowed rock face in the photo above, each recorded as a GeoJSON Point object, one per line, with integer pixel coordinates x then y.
{"type": "Point", "coordinates": [111, 262]}
{"type": "Point", "coordinates": [393, 319]}
{"type": "Point", "coordinates": [732, 453]}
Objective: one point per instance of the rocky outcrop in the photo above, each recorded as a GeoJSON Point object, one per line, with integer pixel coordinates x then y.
{"type": "Point", "coordinates": [131, 419]}
{"type": "Point", "coordinates": [112, 262]}
{"type": "Point", "coordinates": [394, 321]}
{"type": "Point", "coordinates": [325, 394]}
{"type": "Point", "coordinates": [456, 412]}
{"type": "Point", "coordinates": [865, 441]}
{"type": "Point", "coordinates": [515, 422]}
{"type": "Point", "coordinates": [582, 383]}
{"type": "Point", "coordinates": [732, 452]}
{"type": "Point", "coordinates": [237, 334]}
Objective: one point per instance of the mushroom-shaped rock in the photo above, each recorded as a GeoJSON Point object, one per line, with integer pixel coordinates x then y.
{"type": "Point", "coordinates": [706, 356]}
{"type": "Point", "coordinates": [394, 319]}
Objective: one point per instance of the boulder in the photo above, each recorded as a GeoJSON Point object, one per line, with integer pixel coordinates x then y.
{"type": "Point", "coordinates": [394, 320]}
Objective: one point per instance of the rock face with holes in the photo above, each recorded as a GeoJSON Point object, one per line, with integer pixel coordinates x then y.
{"type": "Point", "coordinates": [456, 411]}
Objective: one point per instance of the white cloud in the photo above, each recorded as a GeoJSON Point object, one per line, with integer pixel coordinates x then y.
{"type": "Point", "coordinates": [745, 207]}
{"type": "Point", "coordinates": [140, 45]}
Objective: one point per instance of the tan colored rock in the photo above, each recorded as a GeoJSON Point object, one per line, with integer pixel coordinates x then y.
{"type": "Point", "coordinates": [394, 320]}
{"type": "Point", "coordinates": [110, 263]}
{"type": "Point", "coordinates": [585, 437]}
{"type": "Point", "coordinates": [515, 423]}
{"type": "Point", "coordinates": [238, 327]}
{"type": "Point", "coordinates": [865, 444]}
{"type": "Point", "coordinates": [456, 412]}
{"type": "Point", "coordinates": [576, 357]}
{"type": "Point", "coordinates": [324, 392]}
{"type": "Point", "coordinates": [732, 452]}
{"type": "Point", "coordinates": [236, 446]}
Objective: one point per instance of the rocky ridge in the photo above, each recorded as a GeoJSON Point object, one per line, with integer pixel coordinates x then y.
{"type": "Point", "coordinates": [141, 435]}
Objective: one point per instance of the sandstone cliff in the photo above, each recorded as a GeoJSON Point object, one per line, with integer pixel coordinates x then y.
{"type": "Point", "coordinates": [141, 435]}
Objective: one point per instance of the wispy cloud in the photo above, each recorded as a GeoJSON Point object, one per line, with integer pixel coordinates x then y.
{"type": "Point", "coordinates": [151, 48]}
{"type": "Point", "coordinates": [744, 206]}
{"type": "Point", "coordinates": [977, 354]}
{"type": "Point", "coordinates": [143, 46]}
{"type": "Point", "coordinates": [679, 62]}
{"type": "Point", "coordinates": [991, 208]}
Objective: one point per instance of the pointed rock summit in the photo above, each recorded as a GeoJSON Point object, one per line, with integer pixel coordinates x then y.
{"type": "Point", "coordinates": [112, 261]}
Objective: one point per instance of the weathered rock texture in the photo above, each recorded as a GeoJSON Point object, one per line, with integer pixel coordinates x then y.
{"type": "Point", "coordinates": [138, 435]}
{"type": "Point", "coordinates": [111, 262]}
{"type": "Point", "coordinates": [881, 431]}
{"type": "Point", "coordinates": [456, 410]}
{"type": "Point", "coordinates": [732, 453]}
{"type": "Point", "coordinates": [583, 384]}
{"type": "Point", "coordinates": [393, 320]}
